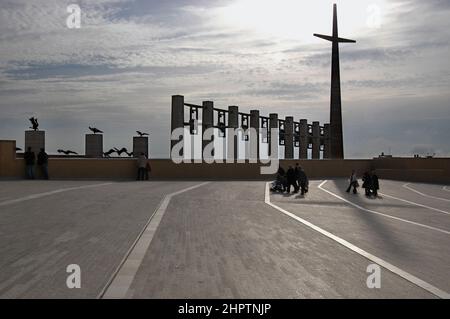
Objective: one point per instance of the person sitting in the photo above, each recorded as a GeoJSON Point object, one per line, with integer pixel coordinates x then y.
{"type": "Point", "coordinates": [282, 177]}
{"type": "Point", "coordinates": [279, 185]}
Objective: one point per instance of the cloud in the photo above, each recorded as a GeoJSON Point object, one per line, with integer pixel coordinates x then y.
{"type": "Point", "coordinates": [119, 70]}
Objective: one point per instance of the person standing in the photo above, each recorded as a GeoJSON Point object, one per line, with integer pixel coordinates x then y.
{"type": "Point", "coordinates": [30, 159]}
{"type": "Point", "coordinates": [367, 183]}
{"type": "Point", "coordinates": [303, 181]}
{"type": "Point", "coordinates": [148, 170]}
{"type": "Point", "coordinates": [42, 161]}
{"type": "Point", "coordinates": [297, 174]}
{"type": "Point", "coordinates": [291, 179]}
{"type": "Point", "coordinates": [142, 167]}
{"type": "Point", "coordinates": [353, 183]}
{"type": "Point", "coordinates": [375, 184]}
{"type": "Point", "coordinates": [281, 177]}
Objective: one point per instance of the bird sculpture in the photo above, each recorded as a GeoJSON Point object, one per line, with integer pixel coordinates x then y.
{"type": "Point", "coordinates": [121, 151]}
{"type": "Point", "coordinates": [95, 130]}
{"type": "Point", "coordinates": [108, 154]}
{"type": "Point", "coordinates": [34, 123]}
{"type": "Point", "coordinates": [142, 134]}
{"type": "Point", "coordinates": [68, 152]}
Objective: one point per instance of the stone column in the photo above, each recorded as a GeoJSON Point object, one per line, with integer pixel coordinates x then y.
{"type": "Point", "coordinates": [207, 122]}
{"type": "Point", "coordinates": [303, 149]}
{"type": "Point", "coordinates": [273, 126]}
{"type": "Point", "coordinates": [316, 140]}
{"type": "Point", "coordinates": [289, 138]}
{"type": "Point", "coordinates": [94, 145]}
{"type": "Point", "coordinates": [232, 139]}
{"type": "Point", "coordinates": [140, 145]}
{"type": "Point", "coordinates": [35, 140]}
{"type": "Point", "coordinates": [326, 141]}
{"type": "Point", "coordinates": [177, 118]}
{"type": "Point", "coordinates": [254, 140]}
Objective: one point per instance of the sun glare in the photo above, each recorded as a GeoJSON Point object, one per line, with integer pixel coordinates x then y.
{"type": "Point", "coordinates": [298, 19]}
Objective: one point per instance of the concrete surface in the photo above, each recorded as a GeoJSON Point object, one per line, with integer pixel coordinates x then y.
{"type": "Point", "coordinates": [219, 240]}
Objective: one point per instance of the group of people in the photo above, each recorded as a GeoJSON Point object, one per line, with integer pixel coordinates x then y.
{"type": "Point", "coordinates": [370, 184]}
{"type": "Point", "coordinates": [30, 162]}
{"type": "Point", "coordinates": [295, 177]}
{"type": "Point", "coordinates": [42, 163]}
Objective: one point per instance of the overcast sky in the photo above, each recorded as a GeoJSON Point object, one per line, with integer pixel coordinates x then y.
{"type": "Point", "coordinates": [119, 70]}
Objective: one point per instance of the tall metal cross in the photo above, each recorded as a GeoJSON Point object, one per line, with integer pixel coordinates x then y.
{"type": "Point", "coordinates": [336, 135]}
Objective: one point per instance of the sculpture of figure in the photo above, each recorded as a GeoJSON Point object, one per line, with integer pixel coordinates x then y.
{"type": "Point", "coordinates": [141, 134]}
{"type": "Point", "coordinates": [34, 123]}
{"type": "Point", "coordinates": [108, 154]}
{"type": "Point", "coordinates": [68, 152]}
{"type": "Point", "coordinates": [121, 151]}
{"type": "Point", "coordinates": [95, 130]}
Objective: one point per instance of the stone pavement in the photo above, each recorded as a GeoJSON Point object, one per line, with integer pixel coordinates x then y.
{"type": "Point", "coordinates": [220, 240]}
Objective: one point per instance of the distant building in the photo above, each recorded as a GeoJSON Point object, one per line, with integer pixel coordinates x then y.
{"type": "Point", "coordinates": [382, 155]}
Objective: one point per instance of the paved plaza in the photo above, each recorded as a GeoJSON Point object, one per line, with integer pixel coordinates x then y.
{"type": "Point", "coordinates": [194, 239]}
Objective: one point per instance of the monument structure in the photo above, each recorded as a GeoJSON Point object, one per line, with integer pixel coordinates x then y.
{"type": "Point", "coordinates": [336, 136]}
{"type": "Point", "coordinates": [34, 138]}
{"type": "Point", "coordinates": [289, 133]}
{"type": "Point", "coordinates": [140, 145]}
{"type": "Point", "coordinates": [94, 143]}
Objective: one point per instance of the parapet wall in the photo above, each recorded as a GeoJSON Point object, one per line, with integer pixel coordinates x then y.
{"type": "Point", "coordinates": [409, 169]}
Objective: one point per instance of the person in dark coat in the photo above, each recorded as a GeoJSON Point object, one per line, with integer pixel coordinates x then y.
{"type": "Point", "coordinates": [291, 179]}
{"type": "Point", "coordinates": [281, 178]}
{"type": "Point", "coordinates": [30, 159]}
{"type": "Point", "coordinates": [353, 183]}
{"type": "Point", "coordinates": [142, 167]}
{"type": "Point", "coordinates": [302, 180]}
{"type": "Point", "coordinates": [297, 174]}
{"type": "Point", "coordinates": [367, 183]}
{"type": "Point", "coordinates": [42, 161]}
{"type": "Point", "coordinates": [375, 183]}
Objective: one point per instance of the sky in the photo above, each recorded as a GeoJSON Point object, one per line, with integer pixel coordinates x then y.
{"type": "Point", "coordinates": [119, 70]}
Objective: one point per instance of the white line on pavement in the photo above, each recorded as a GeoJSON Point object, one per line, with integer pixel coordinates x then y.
{"type": "Point", "coordinates": [381, 214]}
{"type": "Point", "coordinates": [426, 195]}
{"type": "Point", "coordinates": [417, 204]}
{"type": "Point", "coordinates": [121, 280]}
{"type": "Point", "coordinates": [417, 281]}
{"type": "Point", "coordinates": [39, 195]}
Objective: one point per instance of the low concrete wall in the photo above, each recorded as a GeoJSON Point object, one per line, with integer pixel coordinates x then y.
{"type": "Point", "coordinates": [409, 169]}
{"type": "Point", "coordinates": [432, 170]}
